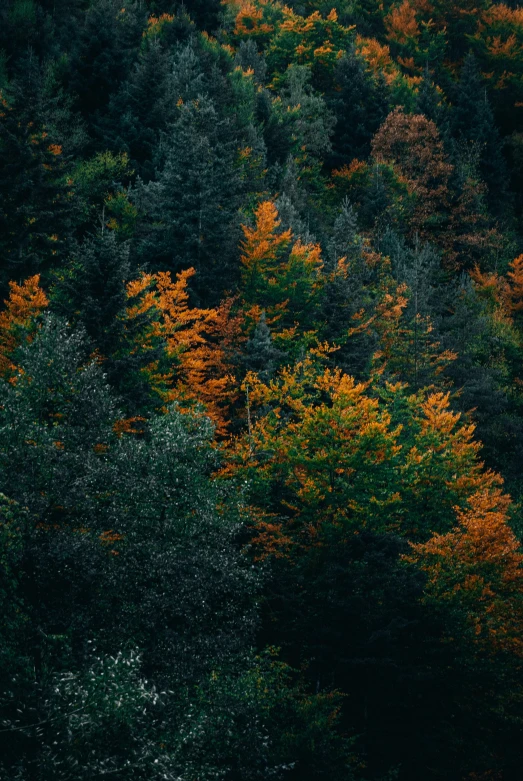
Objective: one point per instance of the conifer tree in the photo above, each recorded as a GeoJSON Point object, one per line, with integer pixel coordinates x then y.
{"type": "Point", "coordinates": [473, 123]}
{"type": "Point", "coordinates": [360, 104]}
{"type": "Point", "coordinates": [260, 355]}
{"type": "Point", "coordinates": [92, 291]}
{"type": "Point", "coordinates": [37, 211]}
{"type": "Point", "coordinates": [249, 58]}
{"type": "Point", "coordinates": [141, 109]}
{"type": "Point", "coordinates": [430, 102]}
{"type": "Point", "coordinates": [103, 51]}
{"type": "Point", "coordinates": [192, 207]}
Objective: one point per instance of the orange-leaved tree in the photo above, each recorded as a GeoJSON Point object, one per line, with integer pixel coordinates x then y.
{"type": "Point", "coordinates": [280, 276]}
{"type": "Point", "coordinates": [475, 573]}
{"type": "Point", "coordinates": [24, 303]}
{"type": "Point", "coordinates": [315, 41]}
{"type": "Point", "coordinates": [195, 339]}
{"type": "Point", "coordinates": [328, 455]}
{"type": "Point", "coordinates": [515, 281]}
{"type": "Point", "coordinates": [413, 144]}
{"type": "Point", "coordinates": [256, 19]}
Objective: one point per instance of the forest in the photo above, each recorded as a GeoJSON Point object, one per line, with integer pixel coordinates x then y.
{"type": "Point", "coordinates": [261, 390]}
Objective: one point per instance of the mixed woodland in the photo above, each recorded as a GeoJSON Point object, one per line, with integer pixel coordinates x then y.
{"type": "Point", "coordinates": [261, 390]}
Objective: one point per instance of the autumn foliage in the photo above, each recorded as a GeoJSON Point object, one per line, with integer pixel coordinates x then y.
{"type": "Point", "coordinates": [477, 570]}
{"type": "Point", "coordinates": [24, 303]}
{"type": "Point", "coordinates": [261, 390]}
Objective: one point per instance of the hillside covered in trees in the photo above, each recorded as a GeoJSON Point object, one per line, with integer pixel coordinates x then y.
{"type": "Point", "coordinates": [261, 390]}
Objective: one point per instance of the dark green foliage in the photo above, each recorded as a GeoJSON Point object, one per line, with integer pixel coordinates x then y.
{"type": "Point", "coordinates": [37, 205]}
{"type": "Point", "coordinates": [473, 123]}
{"type": "Point", "coordinates": [483, 376]}
{"type": "Point", "coordinates": [430, 103]}
{"type": "Point", "coordinates": [260, 354]}
{"type": "Point", "coordinates": [141, 109]}
{"type": "Point", "coordinates": [192, 208]}
{"type": "Point", "coordinates": [360, 104]}
{"type": "Point", "coordinates": [92, 291]}
{"type": "Point", "coordinates": [350, 288]}
{"type": "Point", "coordinates": [248, 57]}
{"type": "Point", "coordinates": [104, 50]}
{"type": "Point", "coordinates": [363, 638]}
{"type": "Point", "coordinates": [52, 417]}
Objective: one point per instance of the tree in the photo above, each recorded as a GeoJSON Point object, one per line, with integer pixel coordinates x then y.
{"type": "Point", "coordinates": [260, 355]}
{"type": "Point", "coordinates": [350, 295]}
{"type": "Point", "coordinates": [199, 369]}
{"type": "Point", "coordinates": [412, 351]}
{"type": "Point", "coordinates": [413, 144]}
{"type": "Point", "coordinates": [279, 276]}
{"type": "Point", "coordinates": [342, 475]}
{"type": "Point", "coordinates": [36, 218]}
{"type": "Point", "coordinates": [313, 41]}
{"type": "Point", "coordinates": [104, 49]}
{"type": "Point", "coordinates": [473, 123]}
{"type": "Point", "coordinates": [479, 328]}
{"type": "Point", "coordinates": [93, 292]}
{"type": "Point", "coordinates": [25, 302]}
{"type": "Point", "coordinates": [431, 103]}
{"type": "Point", "coordinates": [359, 102]}
{"type": "Point", "coordinates": [192, 208]}
{"type": "Point", "coordinates": [474, 584]}
{"type": "Point", "coordinates": [141, 109]}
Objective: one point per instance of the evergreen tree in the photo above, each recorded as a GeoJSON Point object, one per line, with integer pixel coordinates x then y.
{"type": "Point", "coordinates": [419, 268]}
{"type": "Point", "coordinates": [141, 109]}
{"type": "Point", "coordinates": [37, 206]}
{"type": "Point", "coordinates": [248, 58]}
{"type": "Point", "coordinates": [260, 355]}
{"type": "Point", "coordinates": [473, 123]}
{"type": "Point", "coordinates": [345, 242]}
{"type": "Point", "coordinates": [309, 117]}
{"type": "Point", "coordinates": [92, 291]}
{"type": "Point", "coordinates": [360, 104]}
{"type": "Point", "coordinates": [430, 102]}
{"type": "Point", "coordinates": [192, 207]}
{"type": "Point", "coordinates": [348, 292]}
{"type": "Point", "coordinates": [104, 49]}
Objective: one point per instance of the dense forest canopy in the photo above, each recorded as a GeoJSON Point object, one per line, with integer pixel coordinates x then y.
{"type": "Point", "coordinates": [261, 390]}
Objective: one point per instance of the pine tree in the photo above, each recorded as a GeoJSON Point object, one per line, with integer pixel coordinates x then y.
{"type": "Point", "coordinates": [141, 109]}
{"type": "Point", "coordinates": [93, 292]}
{"type": "Point", "coordinates": [360, 104]}
{"type": "Point", "coordinates": [37, 207]}
{"type": "Point", "coordinates": [192, 207]}
{"type": "Point", "coordinates": [248, 58]}
{"type": "Point", "coordinates": [310, 120]}
{"type": "Point", "coordinates": [345, 242]}
{"type": "Point", "coordinates": [260, 355]}
{"type": "Point", "coordinates": [473, 123]}
{"type": "Point", "coordinates": [103, 51]}
{"type": "Point", "coordinates": [430, 102]}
